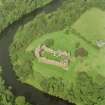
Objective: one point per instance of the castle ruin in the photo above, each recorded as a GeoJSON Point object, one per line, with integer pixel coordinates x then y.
{"type": "Point", "coordinates": [63, 63]}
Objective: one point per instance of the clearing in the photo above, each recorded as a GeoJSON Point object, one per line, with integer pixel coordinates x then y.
{"type": "Point", "coordinates": [91, 25]}
{"type": "Point", "coordinates": [65, 42]}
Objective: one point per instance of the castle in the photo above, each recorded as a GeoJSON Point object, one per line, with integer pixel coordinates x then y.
{"type": "Point", "coordinates": [63, 63]}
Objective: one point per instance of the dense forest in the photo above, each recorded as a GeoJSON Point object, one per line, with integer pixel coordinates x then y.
{"type": "Point", "coordinates": [6, 96]}
{"type": "Point", "coordinates": [12, 10]}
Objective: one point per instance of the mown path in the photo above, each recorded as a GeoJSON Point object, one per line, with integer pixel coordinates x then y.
{"type": "Point", "coordinates": [83, 38]}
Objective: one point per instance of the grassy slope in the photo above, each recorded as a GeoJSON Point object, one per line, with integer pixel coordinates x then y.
{"type": "Point", "coordinates": [70, 41]}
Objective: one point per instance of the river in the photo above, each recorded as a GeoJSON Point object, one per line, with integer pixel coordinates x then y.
{"type": "Point", "coordinates": [32, 95]}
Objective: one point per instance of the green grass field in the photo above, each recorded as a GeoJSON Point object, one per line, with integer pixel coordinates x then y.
{"type": "Point", "coordinates": [70, 41]}
{"type": "Point", "coordinates": [91, 25]}
{"type": "Point", "coordinates": [52, 57]}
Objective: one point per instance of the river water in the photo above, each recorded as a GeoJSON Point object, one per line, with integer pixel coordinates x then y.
{"type": "Point", "coordinates": [33, 95]}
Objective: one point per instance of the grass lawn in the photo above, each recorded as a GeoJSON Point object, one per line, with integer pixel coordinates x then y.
{"type": "Point", "coordinates": [62, 41]}
{"type": "Point", "coordinates": [1, 3]}
{"type": "Point", "coordinates": [52, 57]}
{"type": "Point", "coordinates": [91, 25]}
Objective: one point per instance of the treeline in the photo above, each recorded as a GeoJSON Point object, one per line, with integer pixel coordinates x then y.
{"type": "Point", "coordinates": [6, 96]}
{"type": "Point", "coordinates": [12, 10]}
{"type": "Point", "coordinates": [54, 86]}
{"type": "Point", "coordinates": [88, 90]}
{"type": "Point", "coordinates": [83, 90]}
{"type": "Point", "coordinates": [97, 4]}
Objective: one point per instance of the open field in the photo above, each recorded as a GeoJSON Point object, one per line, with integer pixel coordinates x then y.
{"type": "Point", "coordinates": [91, 25]}
{"type": "Point", "coordinates": [70, 41]}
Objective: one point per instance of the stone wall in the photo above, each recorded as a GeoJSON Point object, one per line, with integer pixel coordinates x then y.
{"type": "Point", "coordinates": [62, 64]}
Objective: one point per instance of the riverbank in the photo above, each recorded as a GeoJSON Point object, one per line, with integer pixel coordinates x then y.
{"type": "Point", "coordinates": [33, 95]}
{"type": "Point", "coordinates": [11, 11]}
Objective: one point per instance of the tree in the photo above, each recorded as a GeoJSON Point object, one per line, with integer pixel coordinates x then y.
{"type": "Point", "coordinates": [20, 100]}
{"type": "Point", "coordinates": [6, 96]}
{"type": "Point", "coordinates": [49, 42]}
